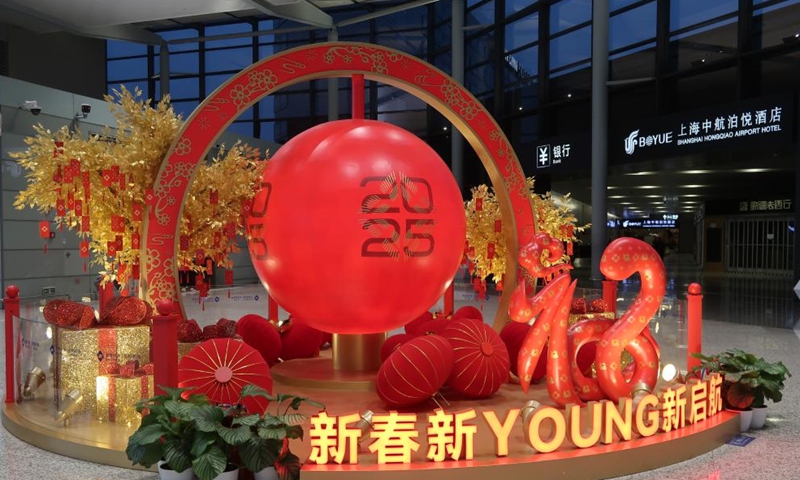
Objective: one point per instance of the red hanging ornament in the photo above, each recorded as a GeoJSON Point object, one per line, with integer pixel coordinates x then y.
{"type": "Point", "coordinates": [117, 223]}
{"type": "Point", "coordinates": [57, 176]}
{"type": "Point", "coordinates": [214, 197]}
{"type": "Point", "coordinates": [230, 231]}
{"type": "Point", "coordinates": [471, 253]}
{"type": "Point", "coordinates": [136, 212]}
{"type": "Point", "coordinates": [228, 277]}
{"type": "Point", "coordinates": [135, 271]}
{"type": "Point", "coordinates": [71, 201]}
{"type": "Point", "coordinates": [569, 248]}
{"type": "Point", "coordinates": [44, 229]}
{"type": "Point", "coordinates": [78, 208]}
{"type": "Point", "coordinates": [61, 207]}
{"type": "Point", "coordinates": [67, 175]}
{"type": "Point", "coordinates": [85, 224]}
{"type": "Point", "coordinates": [121, 182]}
{"type": "Point", "coordinates": [478, 204]}
{"type": "Point", "coordinates": [498, 226]}
{"type": "Point", "coordinates": [209, 266]}
{"type": "Point", "coordinates": [199, 256]}
{"type": "Point", "coordinates": [217, 239]}
{"type": "Point", "coordinates": [490, 251]}
{"type": "Point", "coordinates": [247, 207]}
{"type": "Point", "coordinates": [570, 231]}
{"type": "Point", "coordinates": [136, 241]}
{"type": "Point", "coordinates": [75, 167]}
{"type": "Point", "coordinates": [118, 242]}
{"type": "Point", "coordinates": [115, 174]}
{"type": "Point", "coordinates": [106, 177]}
{"type": "Point", "coordinates": [87, 185]}
{"type": "Point", "coordinates": [112, 249]}
{"type": "Point", "coordinates": [184, 243]}
{"type": "Point", "coordinates": [84, 248]}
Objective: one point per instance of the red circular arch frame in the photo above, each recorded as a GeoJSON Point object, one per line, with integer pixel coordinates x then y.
{"type": "Point", "coordinates": [318, 61]}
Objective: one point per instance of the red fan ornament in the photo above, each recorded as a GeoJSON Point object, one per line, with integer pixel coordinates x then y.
{"type": "Point", "coordinates": [262, 335]}
{"type": "Point", "coordinates": [480, 359]}
{"type": "Point", "coordinates": [415, 371]}
{"type": "Point", "coordinates": [220, 368]}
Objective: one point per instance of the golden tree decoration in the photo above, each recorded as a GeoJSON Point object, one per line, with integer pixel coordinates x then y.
{"type": "Point", "coordinates": [486, 249]}
{"type": "Point", "coordinates": [100, 186]}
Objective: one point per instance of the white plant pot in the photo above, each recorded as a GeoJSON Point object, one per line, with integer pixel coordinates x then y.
{"type": "Point", "coordinates": [169, 474]}
{"type": "Point", "coordinates": [268, 473]}
{"type": "Point", "coordinates": [231, 475]}
{"type": "Point", "coordinates": [745, 419]}
{"type": "Point", "coordinates": [759, 417]}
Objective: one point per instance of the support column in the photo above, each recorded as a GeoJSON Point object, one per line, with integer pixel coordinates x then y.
{"type": "Point", "coordinates": [457, 141]}
{"type": "Point", "coordinates": [163, 76]}
{"type": "Point", "coordinates": [599, 132]}
{"type": "Point", "coordinates": [333, 85]}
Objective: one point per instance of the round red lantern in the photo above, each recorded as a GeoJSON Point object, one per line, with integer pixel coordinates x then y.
{"type": "Point", "coordinates": [480, 359]}
{"type": "Point", "coordinates": [415, 371]}
{"type": "Point", "coordinates": [468, 311]}
{"type": "Point", "coordinates": [411, 327]}
{"type": "Point", "coordinates": [262, 335]}
{"type": "Point", "coordinates": [358, 227]}
{"type": "Point", "coordinates": [392, 343]}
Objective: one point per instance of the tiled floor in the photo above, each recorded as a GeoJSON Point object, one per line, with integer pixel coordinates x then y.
{"type": "Point", "coordinates": [757, 315]}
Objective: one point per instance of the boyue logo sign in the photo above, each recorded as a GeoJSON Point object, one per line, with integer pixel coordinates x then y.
{"type": "Point", "coordinates": [748, 123]}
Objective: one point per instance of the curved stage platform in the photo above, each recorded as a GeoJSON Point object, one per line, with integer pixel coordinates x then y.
{"type": "Point", "coordinates": [105, 443]}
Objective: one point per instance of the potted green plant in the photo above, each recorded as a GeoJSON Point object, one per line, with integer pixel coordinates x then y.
{"type": "Point", "coordinates": [748, 381]}
{"type": "Point", "coordinates": [166, 434]}
{"type": "Point", "coordinates": [266, 452]}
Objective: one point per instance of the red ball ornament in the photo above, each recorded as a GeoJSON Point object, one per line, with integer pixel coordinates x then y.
{"type": "Point", "coordinates": [393, 343]}
{"type": "Point", "coordinates": [189, 331]}
{"type": "Point", "coordinates": [262, 335]}
{"type": "Point", "coordinates": [300, 341]}
{"type": "Point", "coordinates": [412, 326]}
{"type": "Point", "coordinates": [210, 332]}
{"type": "Point", "coordinates": [468, 311]}
{"type": "Point", "coordinates": [578, 306]}
{"type": "Point", "coordinates": [415, 371]}
{"type": "Point", "coordinates": [122, 311]}
{"type": "Point", "coordinates": [480, 359]}
{"type": "Point", "coordinates": [227, 328]}
{"type": "Point", "coordinates": [598, 305]}
{"type": "Point", "coordinates": [398, 219]}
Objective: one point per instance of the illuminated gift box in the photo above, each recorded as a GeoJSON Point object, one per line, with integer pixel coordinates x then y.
{"type": "Point", "coordinates": [83, 355]}
{"type": "Point", "coordinates": [117, 396]}
{"type": "Point", "coordinates": [576, 317]}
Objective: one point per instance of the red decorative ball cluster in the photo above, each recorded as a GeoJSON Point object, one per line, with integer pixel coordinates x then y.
{"type": "Point", "coordinates": [69, 314]}
{"type": "Point", "coordinates": [126, 311]}
{"type": "Point", "coordinates": [578, 306]}
{"type": "Point", "coordinates": [598, 305]}
{"type": "Point", "coordinates": [189, 331]}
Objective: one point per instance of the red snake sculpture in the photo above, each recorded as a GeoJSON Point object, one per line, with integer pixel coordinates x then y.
{"type": "Point", "coordinates": [565, 382]}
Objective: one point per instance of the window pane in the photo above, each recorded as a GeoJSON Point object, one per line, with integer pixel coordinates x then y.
{"type": "Point", "coordinates": [126, 69]}
{"type": "Point", "coordinates": [521, 65]}
{"type": "Point", "coordinates": [481, 79]}
{"type": "Point", "coordinates": [777, 24]}
{"type": "Point", "coordinates": [692, 49]}
{"type": "Point", "coordinates": [685, 13]}
{"type": "Point", "coordinates": [520, 97]}
{"type": "Point", "coordinates": [391, 99]}
{"type": "Point", "coordinates": [242, 128]}
{"type": "Point", "coordinates": [228, 29]}
{"type": "Point", "coordinates": [483, 15]}
{"type": "Point", "coordinates": [179, 64]}
{"type": "Point", "coordinates": [415, 121]}
{"type": "Point", "coordinates": [571, 48]}
{"type": "Point", "coordinates": [228, 59]}
{"type": "Point", "coordinates": [184, 88]}
{"type": "Point", "coordinates": [633, 26]}
{"type": "Point", "coordinates": [478, 50]}
{"type": "Point", "coordinates": [522, 32]}
{"type": "Point", "coordinates": [214, 81]}
{"type": "Point", "coordinates": [414, 43]}
{"type": "Point", "coordinates": [179, 34]}
{"type": "Point", "coordinates": [411, 18]}
{"type": "Point", "coordinates": [514, 6]}
{"type": "Point", "coordinates": [185, 109]}
{"type": "Point", "coordinates": [569, 13]}
{"type": "Point", "coordinates": [615, 5]}
{"type": "Point", "coordinates": [289, 105]}
{"type": "Point", "coordinates": [116, 49]}
{"type": "Point", "coordinates": [634, 63]}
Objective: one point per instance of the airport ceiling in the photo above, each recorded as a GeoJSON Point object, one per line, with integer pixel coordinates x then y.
{"type": "Point", "coordinates": [132, 21]}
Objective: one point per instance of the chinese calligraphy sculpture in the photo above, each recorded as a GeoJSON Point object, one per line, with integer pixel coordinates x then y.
{"type": "Point", "coordinates": [565, 381]}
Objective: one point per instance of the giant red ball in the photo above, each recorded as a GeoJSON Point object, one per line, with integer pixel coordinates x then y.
{"type": "Point", "coordinates": [358, 227]}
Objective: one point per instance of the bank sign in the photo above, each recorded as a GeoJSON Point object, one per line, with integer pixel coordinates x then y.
{"type": "Point", "coordinates": [751, 123]}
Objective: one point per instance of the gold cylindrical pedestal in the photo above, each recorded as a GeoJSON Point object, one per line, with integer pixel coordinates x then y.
{"type": "Point", "coordinates": [357, 353]}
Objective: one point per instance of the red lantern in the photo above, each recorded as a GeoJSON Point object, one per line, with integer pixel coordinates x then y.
{"type": "Point", "coordinates": [393, 343]}
{"type": "Point", "coordinates": [61, 207]}
{"type": "Point", "coordinates": [480, 359]}
{"type": "Point", "coordinates": [214, 197]}
{"type": "Point", "coordinates": [468, 312]}
{"type": "Point", "coordinates": [397, 212]}
{"type": "Point", "coordinates": [117, 223]}
{"type": "Point", "coordinates": [135, 271]}
{"type": "Point", "coordinates": [118, 242]}
{"type": "Point", "coordinates": [105, 176]}
{"type": "Point", "coordinates": [513, 335]}
{"type": "Point", "coordinates": [84, 249]}
{"type": "Point", "coordinates": [78, 207]}
{"type": "Point", "coordinates": [415, 371]}
{"type": "Point", "coordinates": [412, 326]}
{"type": "Point", "coordinates": [498, 226]}
{"type": "Point", "coordinates": [136, 240]}
{"type": "Point", "coordinates": [136, 212]}
{"type": "Point", "coordinates": [44, 229]}
{"type": "Point", "coordinates": [262, 335]}
{"type": "Point", "coordinates": [300, 341]}
{"type": "Point", "coordinates": [184, 243]}
{"type": "Point", "coordinates": [85, 224]}
{"type": "Point", "coordinates": [228, 277]}
{"type": "Point", "coordinates": [112, 248]}
{"type": "Point", "coordinates": [479, 204]}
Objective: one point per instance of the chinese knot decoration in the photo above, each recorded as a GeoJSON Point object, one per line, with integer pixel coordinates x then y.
{"type": "Point", "coordinates": [566, 382]}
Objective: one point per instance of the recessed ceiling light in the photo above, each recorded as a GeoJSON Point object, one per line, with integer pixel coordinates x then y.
{"type": "Point", "coordinates": [691, 195]}
{"type": "Point", "coordinates": [647, 187]}
{"type": "Point", "coordinates": [616, 196]}
{"type": "Point", "coordinates": [693, 186]}
{"type": "Point", "coordinates": [641, 173]}
{"type": "Point", "coordinates": [696, 172]}
{"type": "Point", "coordinates": [753, 170]}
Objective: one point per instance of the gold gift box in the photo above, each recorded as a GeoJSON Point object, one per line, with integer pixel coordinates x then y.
{"type": "Point", "coordinates": [575, 317]}
{"type": "Point", "coordinates": [83, 355]}
{"type": "Point", "coordinates": [117, 397]}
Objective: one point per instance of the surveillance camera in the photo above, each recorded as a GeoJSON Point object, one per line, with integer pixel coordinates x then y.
{"type": "Point", "coordinates": [86, 109]}
{"type": "Point", "coordinates": [32, 106]}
